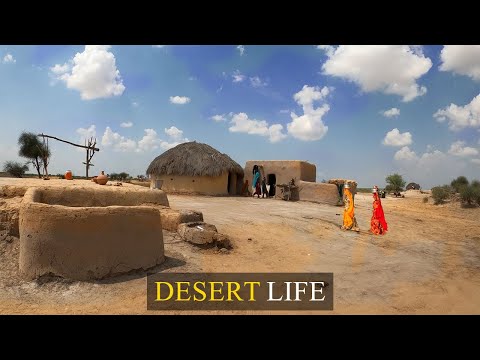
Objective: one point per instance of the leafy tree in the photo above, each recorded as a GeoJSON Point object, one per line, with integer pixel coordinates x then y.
{"type": "Point", "coordinates": [15, 169]}
{"type": "Point", "coordinates": [470, 194]}
{"type": "Point", "coordinates": [123, 176]}
{"type": "Point", "coordinates": [459, 183]}
{"type": "Point", "coordinates": [440, 194]}
{"type": "Point", "coordinates": [395, 183]}
{"type": "Point", "coordinates": [32, 149]}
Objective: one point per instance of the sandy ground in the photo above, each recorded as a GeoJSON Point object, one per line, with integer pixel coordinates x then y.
{"type": "Point", "coordinates": [428, 263]}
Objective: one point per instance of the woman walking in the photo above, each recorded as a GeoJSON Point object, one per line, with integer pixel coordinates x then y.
{"type": "Point", "coordinates": [378, 224]}
{"type": "Point", "coordinates": [349, 220]}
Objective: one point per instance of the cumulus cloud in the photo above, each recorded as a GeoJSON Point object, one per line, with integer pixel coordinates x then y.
{"type": "Point", "coordinates": [218, 118]}
{"type": "Point", "coordinates": [256, 82]}
{"type": "Point", "coordinates": [458, 148]}
{"type": "Point", "coordinates": [309, 126]}
{"type": "Point", "coordinates": [391, 112]}
{"type": "Point", "coordinates": [179, 100]}
{"type": "Point", "coordinates": [117, 141]}
{"type": "Point", "coordinates": [92, 72]}
{"type": "Point", "coordinates": [431, 168]}
{"type": "Point", "coordinates": [392, 69]}
{"type": "Point", "coordinates": [237, 76]}
{"type": "Point", "coordinates": [127, 124]}
{"type": "Point", "coordinates": [460, 117]}
{"type": "Point", "coordinates": [405, 154]}
{"type": "Point", "coordinates": [9, 59]}
{"type": "Point", "coordinates": [241, 49]}
{"type": "Point", "coordinates": [462, 60]}
{"type": "Point", "coordinates": [86, 134]}
{"type": "Point", "coordinates": [243, 124]}
{"type": "Point", "coordinates": [395, 138]}
{"type": "Point", "coordinates": [174, 133]}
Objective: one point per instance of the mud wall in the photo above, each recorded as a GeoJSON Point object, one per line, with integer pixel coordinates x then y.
{"type": "Point", "coordinates": [84, 243]}
{"type": "Point", "coordinates": [205, 185]}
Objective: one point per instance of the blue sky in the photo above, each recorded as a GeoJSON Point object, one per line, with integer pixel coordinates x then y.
{"type": "Point", "coordinates": [355, 111]}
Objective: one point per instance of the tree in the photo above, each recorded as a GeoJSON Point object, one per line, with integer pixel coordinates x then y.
{"type": "Point", "coordinates": [32, 149]}
{"type": "Point", "coordinates": [123, 176]}
{"type": "Point", "coordinates": [459, 183]}
{"type": "Point", "coordinates": [15, 168]}
{"type": "Point", "coordinates": [470, 194]}
{"type": "Point", "coordinates": [395, 183]}
{"type": "Point", "coordinates": [440, 194]}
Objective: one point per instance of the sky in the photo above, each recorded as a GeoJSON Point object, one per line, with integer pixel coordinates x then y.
{"type": "Point", "coordinates": [355, 111]}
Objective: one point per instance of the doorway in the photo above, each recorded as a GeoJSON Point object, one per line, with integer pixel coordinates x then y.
{"type": "Point", "coordinates": [272, 181]}
{"type": "Point", "coordinates": [229, 182]}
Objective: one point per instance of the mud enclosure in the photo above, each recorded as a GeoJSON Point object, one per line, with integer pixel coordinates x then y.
{"type": "Point", "coordinates": [85, 234]}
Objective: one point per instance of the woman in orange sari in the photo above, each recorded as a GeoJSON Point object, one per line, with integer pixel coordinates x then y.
{"type": "Point", "coordinates": [349, 221]}
{"type": "Point", "coordinates": [378, 225]}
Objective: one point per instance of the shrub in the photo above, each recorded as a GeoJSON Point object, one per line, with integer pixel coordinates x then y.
{"type": "Point", "coordinates": [440, 194]}
{"type": "Point", "coordinates": [475, 183]}
{"type": "Point", "coordinates": [425, 199]}
{"type": "Point", "coordinates": [470, 194]}
{"type": "Point", "coordinates": [15, 168]}
{"type": "Point", "coordinates": [459, 183]}
{"type": "Point", "coordinates": [395, 183]}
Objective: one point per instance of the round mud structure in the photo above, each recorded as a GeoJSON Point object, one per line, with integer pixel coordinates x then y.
{"type": "Point", "coordinates": [87, 242]}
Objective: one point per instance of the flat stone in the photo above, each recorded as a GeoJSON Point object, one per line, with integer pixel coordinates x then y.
{"type": "Point", "coordinates": [199, 233]}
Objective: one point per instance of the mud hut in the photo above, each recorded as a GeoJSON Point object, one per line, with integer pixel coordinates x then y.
{"type": "Point", "coordinates": [413, 186]}
{"type": "Point", "coordinates": [194, 167]}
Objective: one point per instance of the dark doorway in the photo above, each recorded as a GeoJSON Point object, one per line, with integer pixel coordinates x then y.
{"type": "Point", "coordinates": [229, 182]}
{"type": "Point", "coordinates": [272, 181]}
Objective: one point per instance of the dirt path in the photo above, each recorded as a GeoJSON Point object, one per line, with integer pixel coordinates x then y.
{"type": "Point", "coordinates": [429, 262]}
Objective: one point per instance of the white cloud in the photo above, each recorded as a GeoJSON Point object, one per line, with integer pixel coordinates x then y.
{"type": "Point", "coordinates": [86, 134]}
{"type": "Point", "coordinates": [475, 161]}
{"type": "Point", "coordinates": [431, 168]}
{"type": "Point", "coordinates": [93, 73]}
{"type": "Point", "coordinates": [460, 117]}
{"type": "Point", "coordinates": [241, 49]}
{"type": "Point", "coordinates": [458, 149]}
{"type": "Point", "coordinates": [309, 126]}
{"type": "Point", "coordinates": [150, 140]}
{"type": "Point", "coordinates": [242, 124]}
{"type": "Point", "coordinates": [237, 76]}
{"type": "Point", "coordinates": [174, 133]}
{"type": "Point", "coordinates": [9, 59]}
{"type": "Point", "coordinates": [405, 154]}
{"type": "Point", "coordinates": [392, 69]}
{"type": "Point", "coordinates": [256, 82]}
{"type": "Point", "coordinates": [285, 111]}
{"type": "Point", "coordinates": [158, 46]}
{"type": "Point", "coordinates": [135, 104]}
{"type": "Point", "coordinates": [117, 141]}
{"type": "Point", "coordinates": [461, 59]}
{"type": "Point", "coordinates": [391, 112]}
{"type": "Point", "coordinates": [127, 124]}
{"type": "Point", "coordinates": [218, 118]}
{"type": "Point", "coordinates": [395, 138]}
{"type": "Point", "coordinates": [179, 100]}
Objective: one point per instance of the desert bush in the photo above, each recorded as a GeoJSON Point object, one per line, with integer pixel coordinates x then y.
{"type": "Point", "coordinates": [425, 199]}
{"type": "Point", "coordinates": [440, 194]}
{"type": "Point", "coordinates": [15, 169]}
{"type": "Point", "coordinates": [459, 183]}
{"type": "Point", "coordinates": [470, 195]}
{"type": "Point", "coordinates": [475, 183]}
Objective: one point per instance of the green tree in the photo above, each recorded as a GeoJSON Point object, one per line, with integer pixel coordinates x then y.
{"type": "Point", "coordinates": [123, 176]}
{"type": "Point", "coordinates": [15, 169]}
{"type": "Point", "coordinates": [440, 194]}
{"type": "Point", "coordinates": [32, 149]}
{"type": "Point", "coordinates": [470, 194]}
{"type": "Point", "coordinates": [459, 183]}
{"type": "Point", "coordinates": [395, 183]}
{"type": "Point", "coordinates": [475, 183]}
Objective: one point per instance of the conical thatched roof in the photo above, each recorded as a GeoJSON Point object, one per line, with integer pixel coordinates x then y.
{"type": "Point", "coordinates": [193, 159]}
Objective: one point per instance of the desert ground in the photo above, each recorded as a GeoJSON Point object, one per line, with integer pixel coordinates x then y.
{"type": "Point", "coordinates": [428, 262]}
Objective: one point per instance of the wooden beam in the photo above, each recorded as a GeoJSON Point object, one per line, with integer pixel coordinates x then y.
{"type": "Point", "coordinates": [68, 142]}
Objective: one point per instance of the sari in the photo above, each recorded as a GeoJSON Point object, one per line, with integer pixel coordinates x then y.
{"type": "Point", "coordinates": [378, 225]}
{"type": "Point", "coordinates": [349, 221]}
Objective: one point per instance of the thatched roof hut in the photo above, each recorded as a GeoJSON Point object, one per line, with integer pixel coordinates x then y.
{"type": "Point", "coordinates": [193, 159]}
{"type": "Point", "coordinates": [413, 186]}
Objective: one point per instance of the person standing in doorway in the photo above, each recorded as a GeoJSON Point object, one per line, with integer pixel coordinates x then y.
{"type": "Point", "coordinates": [256, 184]}
{"type": "Point", "coordinates": [264, 188]}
